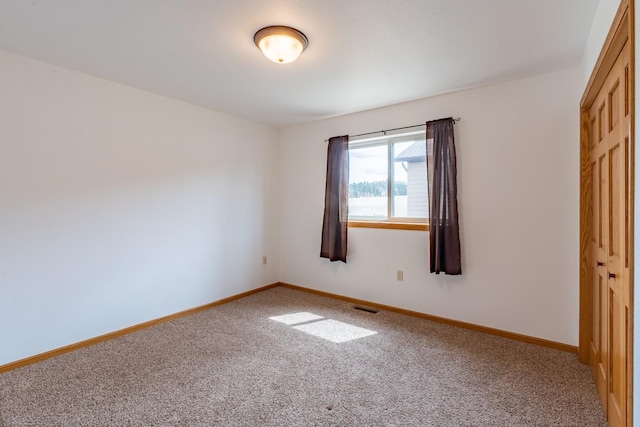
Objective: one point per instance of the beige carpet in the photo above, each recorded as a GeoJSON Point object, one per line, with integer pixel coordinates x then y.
{"type": "Point", "coordinates": [234, 366]}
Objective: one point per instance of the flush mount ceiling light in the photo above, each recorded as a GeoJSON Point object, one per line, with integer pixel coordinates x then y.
{"type": "Point", "coordinates": [281, 44]}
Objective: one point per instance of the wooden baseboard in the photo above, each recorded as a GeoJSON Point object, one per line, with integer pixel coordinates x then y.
{"type": "Point", "coordinates": [92, 341]}
{"type": "Point", "coordinates": [111, 335]}
{"type": "Point", "coordinates": [471, 326]}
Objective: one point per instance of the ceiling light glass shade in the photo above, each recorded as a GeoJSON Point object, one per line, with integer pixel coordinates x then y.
{"type": "Point", "coordinates": [281, 44]}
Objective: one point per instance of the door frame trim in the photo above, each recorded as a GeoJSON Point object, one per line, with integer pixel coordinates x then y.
{"type": "Point", "coordinates": [622, 30]}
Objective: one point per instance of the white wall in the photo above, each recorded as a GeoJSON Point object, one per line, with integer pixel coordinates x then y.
{"type": "Point", "coordinates": [518, 151]}
{"type": "Point", "coordinates": [118, 206]}
{"type": "Point", "coordinates": [605, 13]}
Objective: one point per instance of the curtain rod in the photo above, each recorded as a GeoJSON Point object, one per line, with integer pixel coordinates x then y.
{"type": "Point", "coordinates": [457, 119]}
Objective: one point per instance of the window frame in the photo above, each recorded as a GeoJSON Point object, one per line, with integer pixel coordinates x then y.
{"type": "Point", "coordinates": [391, 222]}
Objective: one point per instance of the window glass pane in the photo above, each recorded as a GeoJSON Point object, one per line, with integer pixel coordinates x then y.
{"type": "Point", "coordinates": [410, 180]}
{"type": "Point", "coordinates": [368, 182]}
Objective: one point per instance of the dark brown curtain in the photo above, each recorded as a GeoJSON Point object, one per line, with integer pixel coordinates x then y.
{"type": "Point", "coordinates": [444, 233]}
{"type": "Point", "coordinates": [336, 201]}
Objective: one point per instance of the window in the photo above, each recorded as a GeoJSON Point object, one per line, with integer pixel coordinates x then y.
{"type": "Point", "coordinates": [388, 182]}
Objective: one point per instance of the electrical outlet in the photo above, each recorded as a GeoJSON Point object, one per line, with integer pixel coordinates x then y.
{"type": "Point", "coordinates": [399, 275]}
{"type": "Point", "coordinates": [264, 260]}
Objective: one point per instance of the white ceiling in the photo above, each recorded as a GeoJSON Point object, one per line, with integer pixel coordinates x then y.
{"type": "Point", "coordinates": [362, 54]}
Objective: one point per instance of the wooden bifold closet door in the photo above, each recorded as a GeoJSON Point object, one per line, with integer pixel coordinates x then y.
{"type": "Point", "coordinates": [609, 239]}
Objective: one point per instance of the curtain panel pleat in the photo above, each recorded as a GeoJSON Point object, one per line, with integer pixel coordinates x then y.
{"type": "Point", "coordinates": [444, 234]}
{"type": "Point", "coordinates": [336, 201]}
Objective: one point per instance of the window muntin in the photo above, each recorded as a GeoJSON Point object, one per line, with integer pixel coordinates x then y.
{"type": "Point", "coordinates": [388, 179]}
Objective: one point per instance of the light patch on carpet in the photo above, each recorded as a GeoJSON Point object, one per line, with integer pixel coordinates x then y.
{"type": "Point", "coordinates": [334, 330]}
{"type": "Point", "coordinates": [295, 318]}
